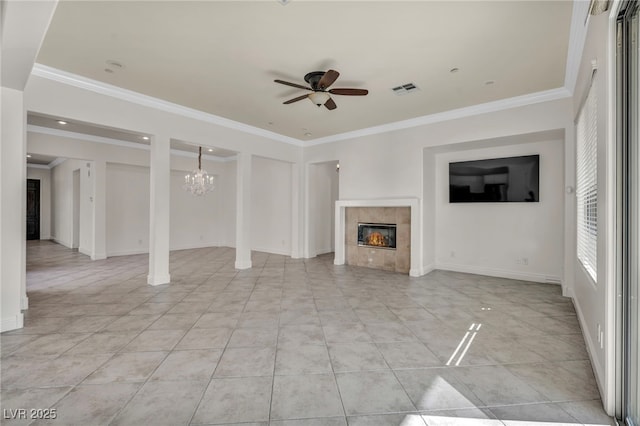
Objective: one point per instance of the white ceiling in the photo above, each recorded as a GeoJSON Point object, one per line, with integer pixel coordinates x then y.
{"type": "Point", "coordinates": [221, 57]}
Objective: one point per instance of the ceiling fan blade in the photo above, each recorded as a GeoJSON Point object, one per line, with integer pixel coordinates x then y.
{"type": "Point", "coordinates": [349, 92]}
{"type": "Point", "coordinates": [330, 104]}
{"type": "Point", "coordinates": [327, 79]}
{"type": "Point", "coordinates": [299, 98]}
{"type": "Point", "coordinates": [299, 86]}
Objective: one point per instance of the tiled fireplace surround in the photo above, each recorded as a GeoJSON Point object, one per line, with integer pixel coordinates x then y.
{"type": "Point", "coordinates": [379, 258]}
{"type": "Point", "coordinates": [402, 212]}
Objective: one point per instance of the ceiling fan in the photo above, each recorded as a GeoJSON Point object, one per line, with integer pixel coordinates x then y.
{"type": "Point", "coordinates": [320, 82]}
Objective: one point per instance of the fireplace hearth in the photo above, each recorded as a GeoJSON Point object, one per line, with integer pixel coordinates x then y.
{"type": "Point", "coordinates": [378, 235]}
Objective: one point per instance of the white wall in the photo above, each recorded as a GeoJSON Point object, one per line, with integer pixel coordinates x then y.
{"type": "Point", "coordinates": [398, 163]}
{"type": "Point", "coordinates": [271, 206]}
{"type": "Point", "coordinates": [227, 201]}
{"type": "Point", "coordinates": [127, 209]}
{"type": "Point", "coordinates": [44, 176]}
{"type": "Point", "coordinates": [195, 221]}
{"type": "Point", "coordinates": [428, 210]}
{"type": "Point", "coordinates": [595, 301]}
{"type": "Point", "coordinates": [127, 196]}
{"type": "Point", "coordinates": [323, 193]}
{"type": "Point", "coordinates": [495, 238]}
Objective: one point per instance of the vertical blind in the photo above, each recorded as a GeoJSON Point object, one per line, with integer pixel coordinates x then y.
{"type": "Point", "coordinates": [587, 182]}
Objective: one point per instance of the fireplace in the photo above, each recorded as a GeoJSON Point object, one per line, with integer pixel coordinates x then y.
{"type": "Point", "coordinates": [378, 235]}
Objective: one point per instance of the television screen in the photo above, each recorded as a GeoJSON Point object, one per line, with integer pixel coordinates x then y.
{"type": "Point", "coordinates": [497, 180]}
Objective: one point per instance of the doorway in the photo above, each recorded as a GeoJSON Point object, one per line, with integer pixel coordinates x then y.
{"type": "Point", "coordinates": [33, 209]}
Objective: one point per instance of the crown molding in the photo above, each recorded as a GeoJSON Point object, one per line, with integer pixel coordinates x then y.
{"type": "Point", "coordinates": [81, 82]}
{"type": "Point", "coordinates": [117, 142]}
{"type": "Point", "coordinates": [503, 104]}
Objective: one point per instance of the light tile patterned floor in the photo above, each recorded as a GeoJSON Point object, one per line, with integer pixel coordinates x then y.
{"type": "Point", "coordinates": [291, 342]}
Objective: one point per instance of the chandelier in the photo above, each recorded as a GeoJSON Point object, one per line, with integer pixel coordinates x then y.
{"type": "Point", "coordinates": [198, 182]}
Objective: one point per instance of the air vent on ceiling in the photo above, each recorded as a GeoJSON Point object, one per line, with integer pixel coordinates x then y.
{"type": "Point", "coordinates": [405, 88]}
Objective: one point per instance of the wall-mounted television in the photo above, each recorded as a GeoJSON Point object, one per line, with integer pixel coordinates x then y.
{"type": "Point", "coordinates": [496, 180]}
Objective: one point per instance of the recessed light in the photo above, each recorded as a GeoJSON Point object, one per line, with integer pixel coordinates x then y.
{"type": "Point", "coordinates": [308, 134]}
{"type": "Point", "coordinates": [28, 155]}
{"type": "Point", "coordinates": [489, 82]}
{"type": "Point", "coordinates": [270, 123]}
{"type": "Point", "coordinates": [146, 138]}
{"type": "Point", "coordinates": [62, 122]}
{"type": "Point", "coordinates": [108, 70]}
{"type": "Point", "coordinates": [210, 150]}
{"type": "Point", "coordinates": [454, 70]}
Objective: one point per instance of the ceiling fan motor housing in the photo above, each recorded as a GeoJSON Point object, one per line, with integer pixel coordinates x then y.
{"type": "Point", "coordinates": [313, 78]}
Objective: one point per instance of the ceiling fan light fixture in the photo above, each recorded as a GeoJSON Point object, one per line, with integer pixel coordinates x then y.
{"type": "Point", "coordinates": [319, 98]}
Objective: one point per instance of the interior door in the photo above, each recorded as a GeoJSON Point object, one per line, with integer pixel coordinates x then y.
{"type": "Point", "coordinates": [33, 209]}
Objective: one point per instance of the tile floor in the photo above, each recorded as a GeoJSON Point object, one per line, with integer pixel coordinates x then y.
{"type": "Point", "coordinates": [290, 342]}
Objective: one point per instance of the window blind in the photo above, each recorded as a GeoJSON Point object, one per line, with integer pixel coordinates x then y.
{"type": "Point", "coordinates": [587, 183]}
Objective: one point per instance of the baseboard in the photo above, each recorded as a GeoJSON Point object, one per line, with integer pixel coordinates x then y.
{"type": "Point", "coordinates": [100, 256]}
{"type": "Point", "coordinates": [84, 251]}
{"type": "Point", "coordinates": [591, 348]}
{"type": "Point", "coordinates": [423, 270]}
{"type": "Point", "coordinates": [195, 246]}
{"type": "Point", "coordinates": [12, 323]}
{"type": "Point", "coordinates": [126, 252]}
{"type": "Point", "coordinates": [158, 280]}
{"type": "Point", "coordinates": [24, 303]}
{"type": "Point", "coordinates": [324, 251]}
{"type": "Point", "coordinates": [272, 251]}
{"type": "Point", "coordinates": [500, 273]}
{"type": "Point", "coordinates": [62, 243]}
{"type": "Point", "coordinates": [45, 237]}
{"type": "Point", "coordinates": [243, 265]}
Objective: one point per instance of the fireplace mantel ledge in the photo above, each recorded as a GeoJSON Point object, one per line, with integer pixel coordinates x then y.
{"type": "Point", "coordinates": [416, 229]}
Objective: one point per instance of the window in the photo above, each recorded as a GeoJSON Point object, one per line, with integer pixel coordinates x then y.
{"type": "Point", "coordinates": [587, 182]}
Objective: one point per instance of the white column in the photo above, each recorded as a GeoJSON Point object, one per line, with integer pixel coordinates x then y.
{"type": "Point", "coordinates": [243, 211]}
{"type": "Point", "coordinates": [99, 250]}
{"type": "Point", "coordinates": [22, 29]}
{"type": "Point", "coordinates": [159, 211]}
{"type": "Point", "coordinates": [12, 209]}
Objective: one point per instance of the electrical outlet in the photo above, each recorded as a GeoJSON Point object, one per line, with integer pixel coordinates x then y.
{"type": "Point", "coordinates": [525, 261]}
{"type": "Point", "coordinates": [453, 253]}
{"type": "Point", "coordinates": [518, 261]}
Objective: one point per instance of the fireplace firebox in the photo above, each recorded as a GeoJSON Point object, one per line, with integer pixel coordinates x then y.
{"type": "Point", "coordinates": [378, 235]}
